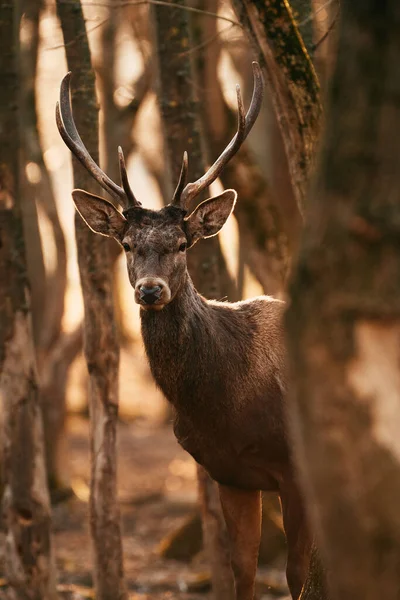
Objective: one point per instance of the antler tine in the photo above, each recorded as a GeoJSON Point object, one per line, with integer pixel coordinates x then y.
{"type": "Point", "coordinates": [125, 183]}
{"type": "Point", "coordinates": [69, 133]}
{"type": "Point", "coordinates": [182, 181]}
{"type": "Point", "coordinates": [245, 123]}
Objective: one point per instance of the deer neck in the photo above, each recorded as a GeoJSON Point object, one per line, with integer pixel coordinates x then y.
{"type": "Point", "coordinates": [169, 336]}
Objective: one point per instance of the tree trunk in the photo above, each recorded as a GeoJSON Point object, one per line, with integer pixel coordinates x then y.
{"type": "Point", "coordinates": [100, 338]}
{"type": "Point", "coordinates": [35, 260]}
{"type": "Point", "coordinates": [263, 243]}
{"type": "Point", "coordinates": [293, 83]}
{"type": "Point", "coordinates": [48, 290]}
{"type": "Point", "coordinates": [26, 519]}
{"type": "Point", "coordinates": [344, 319]}
{"type": "Point", "coordinates": [180, 116]}
{"type": "Point", "coordinates": [118, 124]}
{"type": "Point", "coordinates": [54, 380]}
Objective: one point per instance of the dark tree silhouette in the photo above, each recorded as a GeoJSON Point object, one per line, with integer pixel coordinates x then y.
{"type": "Point", "coordinates": [25, 507]}
{"type": "Point", "coordinates": [344, 323]}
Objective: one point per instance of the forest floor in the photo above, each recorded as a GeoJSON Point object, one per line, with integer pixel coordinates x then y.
{"type": "Point", "coordinates": [157, 493]}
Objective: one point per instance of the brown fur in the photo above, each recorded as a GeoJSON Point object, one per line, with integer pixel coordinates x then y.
{"type": "Point", "coordinates": [222, 366]}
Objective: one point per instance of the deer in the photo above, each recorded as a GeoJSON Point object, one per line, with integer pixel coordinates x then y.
{"type": "Point", "coordinates": [221, 365]}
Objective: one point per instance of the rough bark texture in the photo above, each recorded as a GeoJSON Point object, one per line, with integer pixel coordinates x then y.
{"type": "Point", "coordinates": [180, 110]}
{"type": "Point", "coordinates": [344, 319]}
{"type": "Point", "coordinates": [100, 339]}
{"type": "Point", "coordinates": [303, 13]}
{"type": "Point", "coordinates": [293, 83]}
{"type": "Point", "coordinates": [48, 290]}
{"type": "Point", "coordinates": [26, 520]}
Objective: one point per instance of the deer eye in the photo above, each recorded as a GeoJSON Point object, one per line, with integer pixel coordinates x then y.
{"type": "Point", "coordinates": [126, 247]}
{"type": "Point", "coordinates": [183, 247]}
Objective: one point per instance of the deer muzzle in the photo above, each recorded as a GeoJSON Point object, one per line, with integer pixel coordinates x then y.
{"type": "Point", "coordinates": [152, 293]}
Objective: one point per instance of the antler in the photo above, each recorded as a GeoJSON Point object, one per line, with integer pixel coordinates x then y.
{"type": "Point", "coordinates": [67, 128]}
{"type": "Point", "coordinates": [182, 197]}
{"type": "Point", "coordinates": [182, 180]}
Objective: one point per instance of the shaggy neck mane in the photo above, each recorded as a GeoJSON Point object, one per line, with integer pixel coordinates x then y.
{"type": "Point", "coordinates": [180, 333]}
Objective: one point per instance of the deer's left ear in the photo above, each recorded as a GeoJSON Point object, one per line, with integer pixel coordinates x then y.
{"type": "Point", "coordinates": [210, 216]}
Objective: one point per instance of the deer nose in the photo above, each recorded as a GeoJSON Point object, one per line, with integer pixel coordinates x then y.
{"type": "Point", "coordinates": [150, 295]}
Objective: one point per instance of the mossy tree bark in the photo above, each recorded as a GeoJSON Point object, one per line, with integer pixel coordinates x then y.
{"type": "Point", "coordinates": [303, 13]}
{"type": "Point", "coordinates": [100, 338]}
{"type": "Point", "coordinates": [344, 318]}
{"type": "Point", "coordinates": [26, 518]}
{"type": "Point", "coordinates": [180, 117]}
{"type": "Point", "coordinates": [293, 84]}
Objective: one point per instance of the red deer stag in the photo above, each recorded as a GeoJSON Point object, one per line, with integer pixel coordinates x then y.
{"type": "Point", "coordinates": [221, 365]}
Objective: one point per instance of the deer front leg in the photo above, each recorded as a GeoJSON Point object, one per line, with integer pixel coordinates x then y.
{"type": "Point", "coordinates": [242, 512]}
{"type": "Point", "coordinates": [297, 535]}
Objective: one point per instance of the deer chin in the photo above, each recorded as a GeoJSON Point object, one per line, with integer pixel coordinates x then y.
{"type": "Point", "coordinates": [156, 307]}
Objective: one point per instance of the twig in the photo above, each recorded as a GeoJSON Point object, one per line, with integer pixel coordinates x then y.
{"type": "Point", "coordinates": [206, 42]}
{"type": "Point", "coordinates": [72, 42]}
{"type": "Point", "coordinates": [327, 32]}
{"type": "Point", "coordinates": [125, 3]}
{"type": "Point", "coordinates": [313, 14]}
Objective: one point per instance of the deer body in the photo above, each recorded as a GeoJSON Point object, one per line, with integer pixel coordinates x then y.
{"type": "Point", "coordinates": [221, 365]}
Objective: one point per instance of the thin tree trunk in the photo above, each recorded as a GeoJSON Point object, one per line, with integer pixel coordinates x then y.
{"type": "Point", "coordinates": [118, 124]}
{"type": "Point", "coordinates": [180, 110]}
{"type": "Point", "coordinates": [35, 259]}
{"type": "Point", "coordinates": [344, 320]}
{"type": "Point", "coordinates": [100, 338]}
{"type": "Point", "coordinates": [292, 80]}
{"type": "Point", "coordinates": [325, 22]}
{"type": "Point", "coordinates": [54, 379]}
{"type": "Point", "coordinates": [48, 291]}
{"type": "Point", "coordinates": [263, 243]}
{"type": "Point", "coordinates": [26, 519]}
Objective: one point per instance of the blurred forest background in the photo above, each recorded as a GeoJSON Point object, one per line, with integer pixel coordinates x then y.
{"type": "Point", "coordinates": [131, 44]}
{"type": "Point", "coordinates": [165, 82]}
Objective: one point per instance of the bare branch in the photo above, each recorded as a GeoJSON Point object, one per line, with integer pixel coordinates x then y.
{"type": "Point", "coordinates": [157, 3]}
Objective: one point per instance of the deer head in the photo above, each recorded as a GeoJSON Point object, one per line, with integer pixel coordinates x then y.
{"type": "Point", "coordinates": [155, 242]}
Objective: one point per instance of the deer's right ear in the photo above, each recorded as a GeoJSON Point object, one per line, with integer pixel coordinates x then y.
{"type": "Point", "coordinates": [101, 216]}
